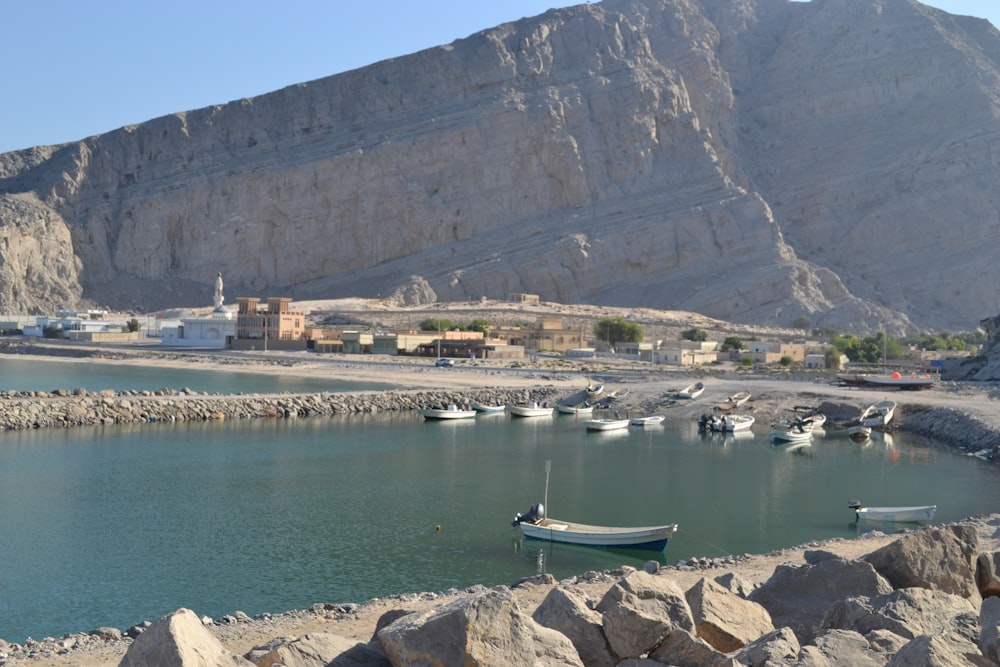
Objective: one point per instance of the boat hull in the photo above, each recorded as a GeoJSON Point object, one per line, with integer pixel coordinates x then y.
{"type": "Point", "coordinates": [897, 514]}
{"type": "Point", "coordinates": [449, 413]}
{"type": "Point", "coordinates": [479, 407]}
{"type": "Point", "coordinates": [575, 409]}
{"type": "Point", "coordinates": [606, 424]}
{"type": "Point", "coordinates": [527, 411]}
{"type": "Point", "coordinates": [780, 437]}
{"type": "Point", "coordinates": [646, 537]}
{"type": "Point", "coordinates": [646, 421]}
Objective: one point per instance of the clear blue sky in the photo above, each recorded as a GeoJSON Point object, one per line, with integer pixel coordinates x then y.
{"type": "Point", "coordinates": [73, 69]}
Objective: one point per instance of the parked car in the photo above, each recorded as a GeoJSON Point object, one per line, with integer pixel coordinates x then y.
{"type": "Point", "coordinates": [441, 363]}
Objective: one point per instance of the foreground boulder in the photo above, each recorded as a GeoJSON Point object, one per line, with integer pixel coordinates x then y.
{"type": "Point", "coordinates": [482, 630]}
{"type": "Point", "coordinates": [940, 558]}
{"type": "Point", "coordinates": [797, 596]}
{"type": "Point", "coordinates": [640, 611]}
{"type": "Point", "coordinates": [317, 649]}
{"type": "Point", "coordinates": [179, 639]}
{"type": "Point", "coordinates": [908, 613]}
{"type": "Point", "coordinates": [569, 614]}
{"type": "Point", "coordinates": [723, 619]}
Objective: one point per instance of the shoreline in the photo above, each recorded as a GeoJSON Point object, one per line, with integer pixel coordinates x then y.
{"type": "Point", "coordinates": [970, 407]}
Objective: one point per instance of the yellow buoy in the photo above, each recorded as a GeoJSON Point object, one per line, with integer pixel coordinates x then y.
{"type": "Point", "coordinates": [437, 528]}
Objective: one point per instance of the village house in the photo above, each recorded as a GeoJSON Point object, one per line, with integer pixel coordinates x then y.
{"type": "Point", "coordinates": [549, 335]}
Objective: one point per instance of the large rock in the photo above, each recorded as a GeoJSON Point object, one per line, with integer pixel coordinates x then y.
{"type": "Point", "coordinates": [989, 628]}
{"type": "Point", "coordinates": [179, 639]}
{"type": "Point", "coordinates": [640, 611]}
{"type": "Point", "coordinates": [939, 651]}
{"type": "Point", "coordinates": [569, 614]}
{"type": "Point", "coordinates": [798, 596]}
{"type": "Point", "coordinates": [723, 619]}
{"type": "Point", "coordinates": [839, 647]}
{"type": "Point", "coordinates": [908, 612]}
{"type": "Point", "coordinates": [987, 577]}
{"type": "Point", "coordinates": [682, 649]}
{"type": "Point", "coordinates": [317, 649]}
{"type": "Point", "coordinates": [940, 558]}
{"type": "Point", "coordinates": [780, 647]}
{"type": "Point", "coordinates": [483, 630]}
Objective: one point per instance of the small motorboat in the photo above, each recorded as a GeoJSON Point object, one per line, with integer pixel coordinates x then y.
{"type": "Point", "coordinates": [450, 411]}
{"type": "Point", "coordinates": [594, 390]}
{"type": "Point", "coordinates": [530, 410]}
{"type": "Point", "coordinates": [651, 420]}
{"type": "Point", "coordinates": [584, 408]}
{"type": "Point", "coordinates": [797, 431]}
{"type": "Point", "coordinates": [878, 414]}
{"type": "Point", "coordinates": [738, 399]}
{"type": "Point", "coordinates": [692, 390]}
{"type": "Point", "coordinates": [488, 409]}
{"type": "Point", "coordinates": [606, 424]}
{"type": "Point", "coordinates": [733, 423]}
{"type": "Point", "coordinates": [913, 514]}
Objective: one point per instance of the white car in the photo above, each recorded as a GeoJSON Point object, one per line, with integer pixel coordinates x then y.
{"type": "Point", "coordinates": [443, 363]}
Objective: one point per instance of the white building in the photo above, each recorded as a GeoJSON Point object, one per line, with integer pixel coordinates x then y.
{"type": "Point", "coordinates": [216, 330]}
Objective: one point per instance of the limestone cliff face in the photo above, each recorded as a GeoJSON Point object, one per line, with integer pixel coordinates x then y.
{"type": "Point", "coordinates": [752, 160]}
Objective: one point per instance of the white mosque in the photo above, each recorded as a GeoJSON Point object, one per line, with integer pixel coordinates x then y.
{"type": "Point", "coordinates": [216, 330]}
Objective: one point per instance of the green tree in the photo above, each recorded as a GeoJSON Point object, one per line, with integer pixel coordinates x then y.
{"type": "Point", "coordinates": [480, 325]}
{"type": "Point", "coordinates": [436, 324]}
{"type": "Point", "coordinates": [785, 361]}
{"type": "Point", "coordinates": [617, 330]}
{"type": "Point", "coordinates": [132, 325]}
{"type": "Point", "coordinates": [731, 343]}
{"type": "Point", "coordinates": [695, 334]}
{"type": "Point", "coordinates": [802, 322]}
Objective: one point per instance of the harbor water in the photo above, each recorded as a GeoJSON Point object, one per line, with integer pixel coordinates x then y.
{"type": "Point", "coordinates": [110, 526]}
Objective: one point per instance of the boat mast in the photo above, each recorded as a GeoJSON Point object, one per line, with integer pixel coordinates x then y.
{"type": "Point", "coordinates": [548, 469]}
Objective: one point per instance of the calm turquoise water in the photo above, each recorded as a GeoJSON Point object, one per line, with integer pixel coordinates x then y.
{"type": "Point", "coordinates": [108, 527]}
{"type": "Point", "coordinates": [33, 374]}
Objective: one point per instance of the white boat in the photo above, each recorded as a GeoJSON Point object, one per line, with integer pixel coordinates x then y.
{"type": "Point", "coordinates": [594, 390]}
{"type": "Point", "coordinates": [899, 381]}
{"type": "Point", "coordinates": [482, 407]}
{"type": "Point", "coordinates": [584, 408]}
{"type": "Point", "coordinates": [817, 419]}
{"type": "Point", "coordinates": [878, 414]}
{"type": "Point", "coordinates": [536, 525]}
{"type": "Point", "coordinates": [692, 390]}
{"type": "Point", "coordinates": [911, 514]}
{"type": "Point", "coordinates": [618, 394]}
{"type": "Point", "coordinates": [651, 420]}
{"type": "Point", "coordinates": [798, 431]}
{"type": "Point", "coordinates": [738, 399]}
{"type": "Point", "coordinates": [733, 423]}
{"type": "Point", "coordinates": [606, 424]}
{"type": "Point", "coordinates": [530, 410]}
{"type": "Point", "coordinates": [451, 411]}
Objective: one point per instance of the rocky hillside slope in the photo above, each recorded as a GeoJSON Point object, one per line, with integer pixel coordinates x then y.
{"type": "Point", "coordinates": [752, 160]}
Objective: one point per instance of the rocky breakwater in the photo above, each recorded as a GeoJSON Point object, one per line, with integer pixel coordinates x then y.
{"type": "Point", "coordinates": [65, 408]}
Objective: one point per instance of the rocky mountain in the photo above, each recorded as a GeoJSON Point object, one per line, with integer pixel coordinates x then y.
{"type": "Point", "coordinates": [756, 161]}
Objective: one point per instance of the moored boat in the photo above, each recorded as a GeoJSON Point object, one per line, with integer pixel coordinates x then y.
{"type": "Point", "coordinates": [692, 390]}
{"type": "Point", "coordinates": [584, 408]}
{"type": "Point", "coordinates": [489, 409]}
{"type": "Point", "coordinates": [911, 514]}
{"type": "Point", "coordinates": [530, 410]}
{"type": "Point", "coordinates": [797, 431]}
{"type": "Point", "coordinates": [594, 390]}
{"type": "Point", "coordinates": [859, 433]}
{"type": "Point", "coordinates": [651, 420]}
{"type": "Point", "coordinates": [450, 411]}
{"type": "Point", "coordinates": [734, 423]}
{"type": "Point", "coordinates": [878, 414]}
{"type": "Point", "coordinates": [738, 399]}
{"type": "Point", "coordinates": [606, 424]}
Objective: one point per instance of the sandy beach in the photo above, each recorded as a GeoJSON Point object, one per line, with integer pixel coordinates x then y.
{"type": "Point", "coordinates": [651, 390]}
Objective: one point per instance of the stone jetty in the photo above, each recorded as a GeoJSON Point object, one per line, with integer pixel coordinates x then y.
{"type": "Point", "coordinates": [64, 408]}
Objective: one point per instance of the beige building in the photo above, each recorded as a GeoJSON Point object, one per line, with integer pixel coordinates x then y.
{"type": "Point", "coordinates": [271, 325]}
{"type": "Point", "coordinates": [548, 336]}
{"type": "Point", "coordinates": [687, 353]}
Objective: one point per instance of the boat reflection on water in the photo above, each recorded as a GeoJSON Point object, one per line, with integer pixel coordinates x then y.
{"type": "Point", "coordinates": [562, 557]}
